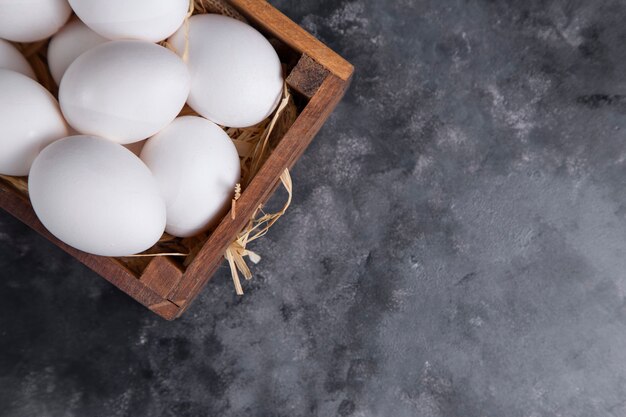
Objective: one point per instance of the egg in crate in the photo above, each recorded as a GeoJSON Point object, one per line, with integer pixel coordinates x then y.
{"type": "Point", "coordinates": [197, 168]}
{"type": "Point", "coordinates": [32, 20]}
{"type": "Point", "coordinates": [236, 75]}
{"type": "Point", "coordinates": [96, 196]}
{"type": "Point", "coordinates": [30, 119]}
{"type": "Point", "coordinates": [149, 20]}
{"type": "Point", "coordinates": [12, 59]}
{"type": "Point", "coordinates": [69, 43]}
{"type": "Point", "coordinates": [125, 91]}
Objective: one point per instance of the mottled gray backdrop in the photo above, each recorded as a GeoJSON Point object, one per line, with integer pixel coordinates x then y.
{"type": "Point", "coordinates": [456, 247]}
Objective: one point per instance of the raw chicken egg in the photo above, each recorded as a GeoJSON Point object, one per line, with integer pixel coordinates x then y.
{"type": "Point", "coordinates": [30, 119]}
{"type": "Point", "coordinates": [149, 20]}
{"type": "Point", "coordinates": [68, 44]}
{"type": "Point", "coordinates": [236, 75]}
{"type": "Point", "coordinates": [197, 167]}
{"type": "Point", "coordinates": [32, 20]}
{"type": "Point", "coordinates": [96, 196]}
{"type": "Point", "coordinates": [125, 91]}
{"type": "Point", "coordinates": [12, 59]}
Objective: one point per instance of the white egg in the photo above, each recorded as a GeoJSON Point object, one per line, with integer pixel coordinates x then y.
{"type": "Point", "coordinates": [125, 91]}
{"type": "Point", "coordinates": [96, 196]}
{"type": "Point", "coordinates": [236, 75]}
{"type": "Point", "coordinates": [30, 119]}
{"type": "Point", "coordinates": [12, 59]}
{"type": "Point", "coordinates": [68, 44]}
{"type": "Point", "coordinates": [197, 167]}
{"type": "Point", "coordinates": [32, 20]}
{"type": "Point", "coordinates": [149, 20]}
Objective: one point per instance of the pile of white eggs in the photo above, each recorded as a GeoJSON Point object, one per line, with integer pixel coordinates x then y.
{"type": "Point", "coordinates": [117, 87]}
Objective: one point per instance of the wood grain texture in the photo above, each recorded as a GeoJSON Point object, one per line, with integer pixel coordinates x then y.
{"type": "Point", "coordinates": [110, 268]}
{"type": "Point", "coordinates": [161, 275]}
{"type": "Point", "coordinates": [163, 286]}
{"type": "Point", "coordinates": [263, 15]}
{"type": "Point", "coordinates": [259, 190]}
{"type": "Point", "coordinates": [307, 76]}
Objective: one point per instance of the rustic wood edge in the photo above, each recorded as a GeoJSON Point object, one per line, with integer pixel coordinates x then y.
{"type": "Point", "coordinates": [260, 189]}
{"type": "Point", "coordinates": [109, 268]}
{"type": "Point", "coordinates": [275, 22]}
{"type": "Point", "coordinates": [307, 76]}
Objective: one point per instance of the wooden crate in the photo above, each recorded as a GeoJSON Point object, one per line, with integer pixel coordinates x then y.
{"type": "Point", "coordinates": [319, 79]}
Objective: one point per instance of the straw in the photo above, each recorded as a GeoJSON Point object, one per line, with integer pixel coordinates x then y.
{"type": "Point", "coordinates": [256, 228]}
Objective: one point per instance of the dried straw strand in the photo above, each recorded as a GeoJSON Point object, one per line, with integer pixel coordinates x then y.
{"type": "Point", "coordinates": [257, 227]}
{"type": "Point", "coordinates": [260, 151]}
{"type": "Point", "coordinates": [233, 206]}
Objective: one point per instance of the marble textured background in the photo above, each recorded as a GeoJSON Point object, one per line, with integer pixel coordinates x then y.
{"type": "Point", "coordinates": [457, 244]}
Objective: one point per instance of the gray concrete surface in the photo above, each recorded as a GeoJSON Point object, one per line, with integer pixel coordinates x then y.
{"type": "Point", "coordinates": [456, 247]}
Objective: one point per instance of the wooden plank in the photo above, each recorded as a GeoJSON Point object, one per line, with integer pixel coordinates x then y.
{"type": "Point", "coordinates": [19, 206]}
{"type": "Point", "coordinates": [284, 156]}
{"type": "Point", "coordinates": [161, 275]}
{"type": "Point", "coordinates": [307, 76]}
{"type": "Point", "coordinates": [273, 21]}
{"type": "Point", "coordinates": [165, 309]}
